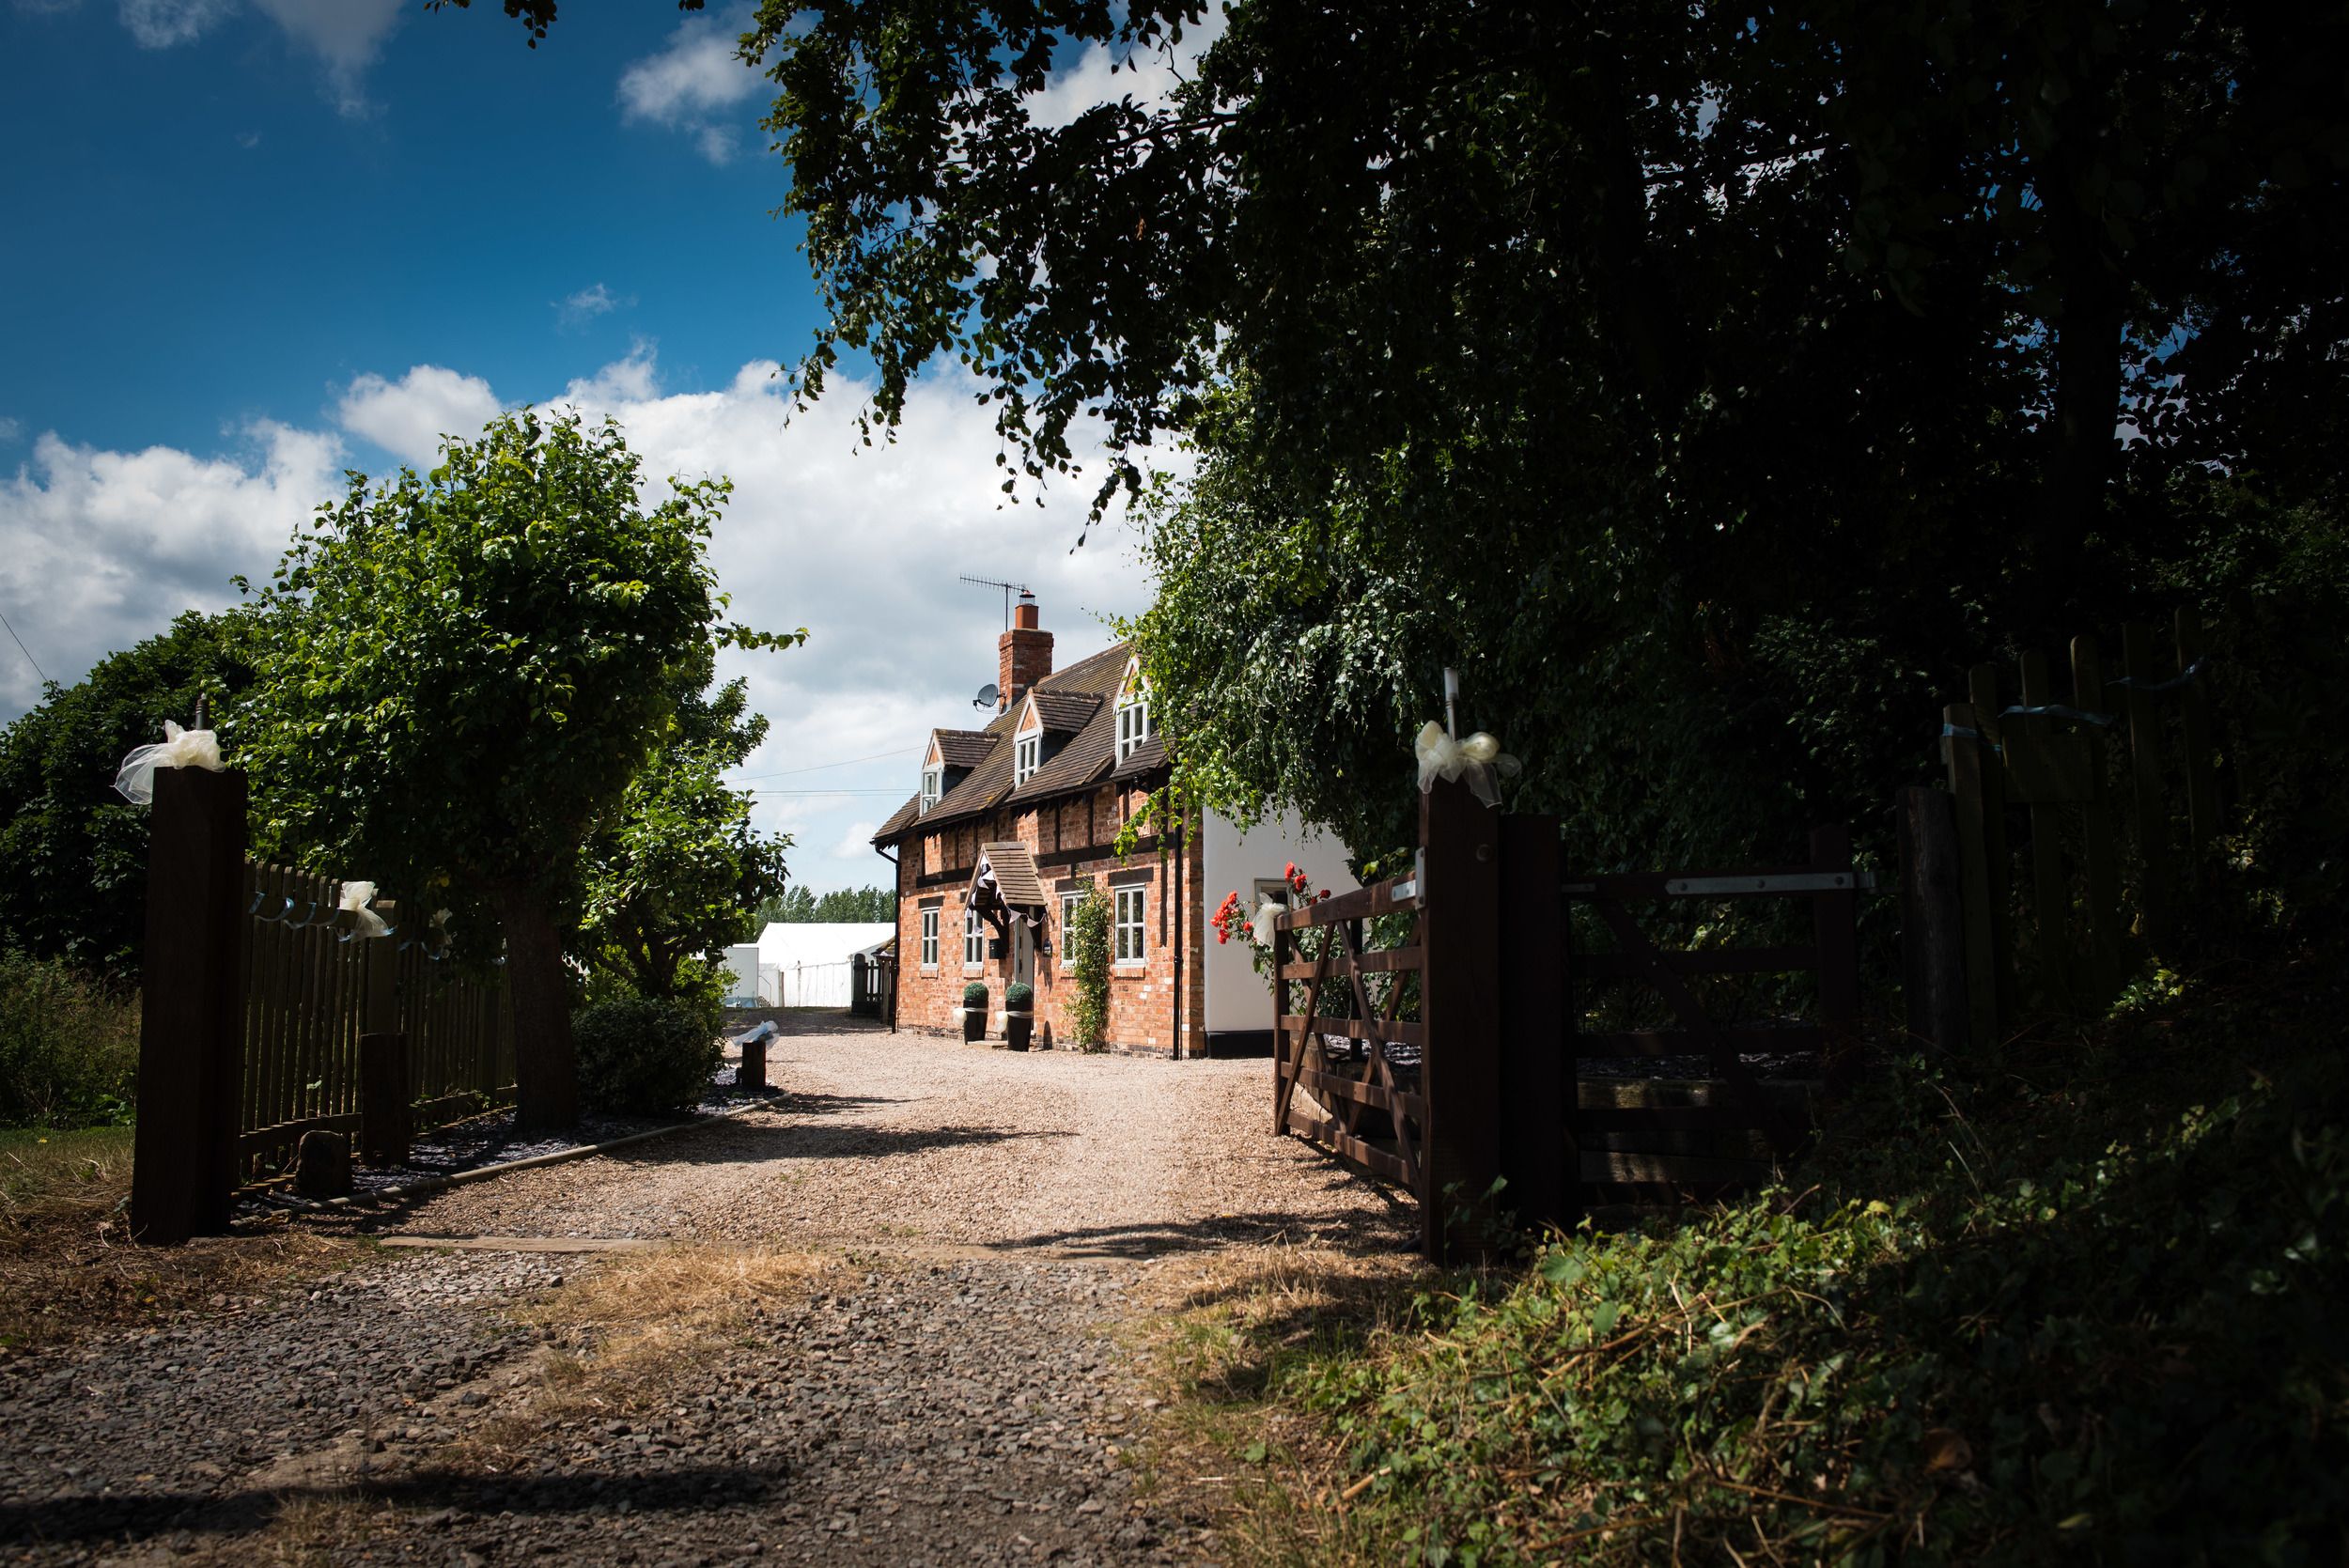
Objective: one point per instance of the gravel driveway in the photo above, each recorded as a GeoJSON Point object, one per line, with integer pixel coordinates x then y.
{"type": "Point", "coordinates": [953, 1377]}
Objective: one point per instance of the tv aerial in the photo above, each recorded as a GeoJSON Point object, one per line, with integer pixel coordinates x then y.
{"type": "Point", "coordinates": [1008, 589]}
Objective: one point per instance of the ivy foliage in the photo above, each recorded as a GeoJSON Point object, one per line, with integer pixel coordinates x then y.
{"type": "Point", "coordinates": [2079, 1307]}
{"type": "Point", "coordinates": [1089, 923]}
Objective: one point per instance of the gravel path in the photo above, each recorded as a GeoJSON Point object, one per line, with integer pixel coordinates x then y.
{"type": "Point", "coordinates": [956, 1381]}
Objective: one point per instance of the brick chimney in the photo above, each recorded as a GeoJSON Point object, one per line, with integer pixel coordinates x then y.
{"type": "Point", "coordinates": [1026, 652]}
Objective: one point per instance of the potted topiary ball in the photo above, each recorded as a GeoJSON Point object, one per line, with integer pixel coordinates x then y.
{"type": "Point", "coordinates": [975, 1011]}
{"type": "Point", "coordinates": [1018, 1013]}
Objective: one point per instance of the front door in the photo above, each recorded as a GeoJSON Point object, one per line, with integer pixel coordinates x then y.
{"type": "Point", "coordinates": [1022, 952]}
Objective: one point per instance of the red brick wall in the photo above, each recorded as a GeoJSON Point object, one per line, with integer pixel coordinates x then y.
{"type": "Point", "coordinates": [1142, 996]}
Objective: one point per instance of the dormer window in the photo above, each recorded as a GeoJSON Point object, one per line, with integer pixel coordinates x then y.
{"type": "Point", "coordinates": [1029, 759]}
{"type": "Point", "coordinates": [933, 785]}
{"type": "Point", "coordinates": [1133, 713]}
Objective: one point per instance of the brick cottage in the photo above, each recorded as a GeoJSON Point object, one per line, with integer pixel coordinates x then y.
{"type": "Point", "coordinates": [1012, 821]}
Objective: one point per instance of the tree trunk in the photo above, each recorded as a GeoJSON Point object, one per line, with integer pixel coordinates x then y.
{"type": "Point", "coordinates": [546, 1066]}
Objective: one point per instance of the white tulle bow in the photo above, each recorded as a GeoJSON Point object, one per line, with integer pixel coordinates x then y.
{"type": "Point", "coordinates": [1477, 758]}
{"type": "Point", "coordinates": [356, 896]}
{"type": "Point", "coordinates": [1262, 926]}
{"type": "Point", "coordinates": [135, 781]}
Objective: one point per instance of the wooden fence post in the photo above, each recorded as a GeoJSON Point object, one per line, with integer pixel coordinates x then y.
{"type": "Point", "coordinates": [2100, 976]}
{"type": "Point", "coordinates": [1835, 927]}
{"type": "Point", "coordinates": [1964, 758]}
{"type": "Point", "coordinates": [2201, 774]}
{"type": "Point", "coordinates": [1981, 690]}
{"type": "Point", "coordinates": [2152, 814]}
{"type": "Point", "coordinates": [1933, 919]}
{"type": "Point", "coordinates": [190, 1029]}
{"type": "Point", "coordinates": [1533, 1085]}
{"type": "Point", "coordinates": [383, 1130]}
{"type": "Point", "coordinates": [2051, 896]}
{"type": "Point", "coordinates": [1460, 1008]}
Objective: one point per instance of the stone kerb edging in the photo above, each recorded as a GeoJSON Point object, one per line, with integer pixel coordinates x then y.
{"type": "Point", "coordinates": [483, 1174]}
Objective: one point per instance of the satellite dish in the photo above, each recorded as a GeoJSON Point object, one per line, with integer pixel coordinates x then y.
{"type": "Point", "coordinates": [990, 695]}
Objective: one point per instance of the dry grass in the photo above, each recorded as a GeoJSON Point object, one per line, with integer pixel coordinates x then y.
{"type": "Point", "coordinates": [66, 1267]}
{"type": "Point", "coordinates": [1224, 1455]}
{"type": "Point", "coordinates": [623, 1331]}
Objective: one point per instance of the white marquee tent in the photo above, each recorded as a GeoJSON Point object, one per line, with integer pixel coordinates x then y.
{"type": "Point", "coordinates": [806, 965]}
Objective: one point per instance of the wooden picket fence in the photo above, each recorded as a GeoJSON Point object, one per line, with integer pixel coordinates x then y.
{"type": "Point", "coordinates": [311, 988]}
{"type": "Point", "coordinates": [2081, 776]}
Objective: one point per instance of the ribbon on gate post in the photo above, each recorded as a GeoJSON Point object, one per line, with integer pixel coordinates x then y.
{"type": "Point", "coordinates": [1476, 759]}
{"type": "Point", "coordinates": [355, 897]}
{"type": "Point", "coordinates": [135, 781]}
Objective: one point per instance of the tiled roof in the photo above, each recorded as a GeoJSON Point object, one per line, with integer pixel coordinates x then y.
{"type": "Point", "coordinates": [963, 748]}
{"type": "Point", "coordinates": [1065, 712]}
{"type": "Point", "coordinates": [1082, 761]}
{"type": "Point", "coordinates": [1150, 753]}
{"type": "Point", "coordinates": [1011, 871]}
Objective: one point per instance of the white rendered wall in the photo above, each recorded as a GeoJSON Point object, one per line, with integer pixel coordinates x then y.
{"type": "Point", "coordinates": [1237, 996]}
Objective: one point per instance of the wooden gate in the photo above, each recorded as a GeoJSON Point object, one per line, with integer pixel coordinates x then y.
{"type": "Point", "coordinates": [1427, 1028]}
{"type": "Point", "coordinates": [1659, 1137]}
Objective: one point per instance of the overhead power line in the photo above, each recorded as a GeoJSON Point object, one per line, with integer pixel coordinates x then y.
{"type": "Point", "coordinates": [25, 651]}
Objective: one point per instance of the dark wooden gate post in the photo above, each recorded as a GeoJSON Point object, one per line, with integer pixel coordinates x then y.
{"type": "Point", "coordinates": [385, 1093]}
{"type": "Point", "coordinates": [1834, 925]}
{"type": "Point", "coordinates": [1933, 919]}
{"type": "Point", "coordinates": [192, 1000]}
{"type": "Point", "coordinates": [1533, 1079]}
{"type": "Point", "coordinates": [1460, 1007]}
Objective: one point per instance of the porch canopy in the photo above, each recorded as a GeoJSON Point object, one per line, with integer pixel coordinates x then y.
{"type": "Point", "coordinates": [1005, 883]}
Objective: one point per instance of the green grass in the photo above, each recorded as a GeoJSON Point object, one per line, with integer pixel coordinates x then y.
{"type": "Point", "coordinates": [2084, 1305]}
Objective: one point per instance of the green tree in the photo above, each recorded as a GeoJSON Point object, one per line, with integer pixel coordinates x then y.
{"type": "Point", "coordinates": [847, 906]}
{"type": "Point", "coordinates": [1711, 385]}
{"type": "Point", "coordinates": [462, 674]}
{"type": "Point", "coordinates": [669, 879]}
{"type": "Point", "coordinates": [73, 852]}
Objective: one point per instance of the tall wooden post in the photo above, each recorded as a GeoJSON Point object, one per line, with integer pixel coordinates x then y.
{"type": "Point", "coordinates": [1834, 925]}
{"type": "Point", "coordinates": [1460, 1007]}
{"type": "Point", "coordinates": [191, 1042]}
{"type": "Point", "coordinates": [2201, 768]}
{"type": "Point", "coordinates": [1981, 690]}
{"type": "Point", "coordinates": [1533, 1082]}
{"type": "Point", "coordinates": [2051, 895]}
{"type": "Point", "coordinates": [2102, 970]}
{"type": "Point", "coordinates": [2153, 814]}
{"type": "Point", "coordinates": [1964, 758]}
{"type": "Point", "coordinates": [1933, 919]}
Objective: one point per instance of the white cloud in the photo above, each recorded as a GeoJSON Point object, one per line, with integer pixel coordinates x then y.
{"type": "Point", "coordinates": [860, 545]}
{"type": "Point", "coordinates": [691, 83]}
{"type": "Point", "coordinates": [577, 309]}
{"type": "Point", "coordinates": [1102, 75]}
{"type": "Point", "coordinates": [98, 550]}
{"type": "Point", "coordinates": [11, 431]}
{"type": "Point", "coordinates": [856, 843]}
{"type": "Point", "coordinates": [345, 34]}
{"type": "Point", "coordinates": [163, 23]}
{"type": "Point", "coordinates": [408, 417]}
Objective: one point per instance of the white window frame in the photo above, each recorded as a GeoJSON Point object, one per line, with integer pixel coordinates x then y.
{"type": "Point", "coordinates": [973, 940]}
{"type": "Point", "coordinates": [1028, 758]}
{"type": "Point", "coordinates": [1068, 902]}
{"type": "Point", "coordinates": [1130, 928]}
{"type": "Point", "coordinates": [1133, 713]}
{"type": "Point", "coordinates": [929, 939]}
{"type": "Point", "coordinates": [933, 788]}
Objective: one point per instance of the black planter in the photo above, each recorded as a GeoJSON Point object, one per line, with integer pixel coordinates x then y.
{"type": "Point", "coordinates": [975, 1023]}
{"type": "Point", "coordinates": [1016, 1029]}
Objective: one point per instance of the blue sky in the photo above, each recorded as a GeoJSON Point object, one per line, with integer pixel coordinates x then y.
{"type": "Point", "coordinates": [253, 242]}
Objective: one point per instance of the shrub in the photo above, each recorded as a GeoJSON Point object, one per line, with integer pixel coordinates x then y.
{"type": "Point", "coordinates": [974, 994]}
{"type": "Point", "coordinates": [1089, 1017]}
{"type": "Point", "coordinates": [642, 1055]}
{"type": "Point", "coordinates": [1020, 996]}
{"type": "Point", "coordinates": [69, 1046]}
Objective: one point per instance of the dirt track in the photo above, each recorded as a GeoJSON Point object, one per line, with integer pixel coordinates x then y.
{"type": "Point", "coordinates": [933, 1247]}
